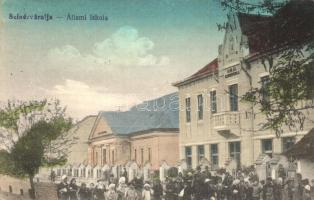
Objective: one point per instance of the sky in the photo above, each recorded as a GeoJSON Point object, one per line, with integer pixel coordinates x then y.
{"type": "Point", "coordinates": [92, 66]}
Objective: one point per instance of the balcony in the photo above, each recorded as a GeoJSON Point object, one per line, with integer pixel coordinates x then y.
{"type": "Point", "coordinates": [226, 123]}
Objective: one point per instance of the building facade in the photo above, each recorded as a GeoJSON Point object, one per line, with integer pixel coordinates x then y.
{"type": "Point", "coordinates": [214, 123]}
{"type": "Point", "coordinates": [144, 134]}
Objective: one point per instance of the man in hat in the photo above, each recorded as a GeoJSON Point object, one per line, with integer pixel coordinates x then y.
{"type": "Point", "coordinates": [63, 188]}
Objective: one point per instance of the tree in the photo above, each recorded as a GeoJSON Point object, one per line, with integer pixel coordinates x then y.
{"type": "Point", "coordinates": [33, 135]}
{"type": "Point", "coordinates": [288, 56]}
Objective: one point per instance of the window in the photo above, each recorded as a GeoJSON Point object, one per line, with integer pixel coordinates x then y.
{"type": "Point", "coordinates": [200, 153]}
{"type": "Point", "coordinates": [112, 156]}
{"type": "Point", "coordinates": [214, 155]}
{"type": "Point", "coordinates": [233, 97]}
{"type": "Point", "coordinates": [142, 156]}
{"type": "Point", "coordinates": [188, 156]}
{"type": "Point", "coordinates": [96, 160]}
{"type": "Point", "coordinates": [200, 106]}
{"type": "Point", "coordinates": [287, 143]}
{"type": "Point", "coordinates": [149, 154]}
{"type": "Point", "coordinates": [135, 155]}
{"type": "Point", "coordinates": [188, 109]}
{"type": "Point", "coordinates": [264, 88]}
{"type": "Point", "coordinates": [213, 102]}
{"type": "Point", "coordinates": [267, 146]}
{"type": "Point", "coordinates": [104, 156]}
{"type": "Point", "coordinates": [235, 152]}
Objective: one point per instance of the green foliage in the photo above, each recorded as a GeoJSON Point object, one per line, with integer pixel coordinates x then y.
{"type": "Point", "coordinates": [26, 154]}
{"type": "Point", "coordinates": [36, 136]}
{"type": "Point", "coordinates": [289, 91]}
{"type": "Point", "coordinates": [11, 114]}
{"type": "Point", "coordinates": [7, 166]}
{"type": "Point", "coordinates": [263, 6]}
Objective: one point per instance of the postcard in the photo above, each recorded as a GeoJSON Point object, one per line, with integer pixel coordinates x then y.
{"type": "Point", "coordinates": [146, 99]}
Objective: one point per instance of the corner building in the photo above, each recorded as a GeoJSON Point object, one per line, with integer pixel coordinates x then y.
{"type": "Point", "coordinates": [214, 123]}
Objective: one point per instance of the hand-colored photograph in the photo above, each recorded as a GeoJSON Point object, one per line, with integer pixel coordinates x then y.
{"type": "Point", "coordinates": [157, 100]}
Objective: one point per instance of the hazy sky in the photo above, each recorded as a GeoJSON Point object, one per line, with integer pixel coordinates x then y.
{"type": "Point", "coordinates": [102, 65]}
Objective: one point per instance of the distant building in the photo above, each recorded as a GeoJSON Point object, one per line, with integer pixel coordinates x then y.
{"type": "Point", "coordinates": [214, 124]}
{"type": "Point", "coordinates": [81, 130]}
{"type": "Point", "coordinates": [77, 152]}
{"type": "Point", "coordinates": [147, 133]}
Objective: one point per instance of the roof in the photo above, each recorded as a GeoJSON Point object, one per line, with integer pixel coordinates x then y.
{"type": "Point", "coordinates": [304, 148]}
{"type": "Point", "coordinates": [293, 23]}
{"type": "Point", "coordinates": [256, 28]}
{"type": "Point", "coordinates": [160, 113]}
{"type": "Point", "coordinates": [202, 73]}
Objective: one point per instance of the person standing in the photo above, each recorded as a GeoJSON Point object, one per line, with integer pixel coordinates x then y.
{"type": "Point", "coordinates": [73, 189]}
{"type": "Point", "coordinates": [235, 189]}
{"type": "Point", "coordinates": [278, 189]}
{"type": "Point", "coordinates": [171, 190]}
{"type": "Point", "coordinates": [131, 193]}
{"type": "Point", "coordinates": [111, 194]}
{"type": "Point", "coordinates": [122, 187]}
{"type": "Point", "coordinates": [289, 189]}
{"type": "Point", "coordinates": [63, 188]}
{"type": "Point", "coordinates": [268, 189]}
{"type": "Point", "coordinates": [312, 189]}
{"type": "Point", "coordinates": [158, 190]}
{"type": "Point", "coordinates": [187, 191]}
{"type": "Point", "coordinates": [147, 193]}
{"type": "Point", "coordinates": [257, 190]}
{"type": "Point", "coordinates": [125, 175]}
{"type": "Point", "coordinates": [91, 191]}
{"type": "Point", "coordinates": [219, 189]}
{"type": "Point", "coordinates": [307, 193]}
{"type": "Point", "coordinates": [298, 187]}
{"type": "Point", "coordinates": [99, 191]}
{"type": "Point", "coordinates": [83, 192]}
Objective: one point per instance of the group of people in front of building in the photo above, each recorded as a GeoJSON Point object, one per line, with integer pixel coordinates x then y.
{"type": "Point", "coordinates": [193, 185]}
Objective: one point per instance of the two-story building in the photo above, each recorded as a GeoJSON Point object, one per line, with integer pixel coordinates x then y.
{"type": "Point", "coordinates": [214, 123]}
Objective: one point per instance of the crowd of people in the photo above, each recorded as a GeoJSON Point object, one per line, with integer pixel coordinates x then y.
{"type": "Point", "coordinates": [193, 185]}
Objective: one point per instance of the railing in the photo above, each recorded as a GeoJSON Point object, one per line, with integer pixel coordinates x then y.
{"type": "Point", "coordinates": [225, 120]}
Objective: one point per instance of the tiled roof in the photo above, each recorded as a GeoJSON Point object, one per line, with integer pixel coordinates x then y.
{"type": "Point", "coordinates": [256, 28]}
{"type": "Point", "coordinates": [204, 72]}
{"type": "Point", "coordinates": [160, 113]}
{"type": "Point", "coordinates": [304, 148]}
{"type": "Point", "coordinates": [293, 23]}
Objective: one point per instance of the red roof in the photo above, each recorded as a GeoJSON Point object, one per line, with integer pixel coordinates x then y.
{"type": "Point", "coordinates": [202, 73]}
{"type": "Point", "coordinates": [293, 23]}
